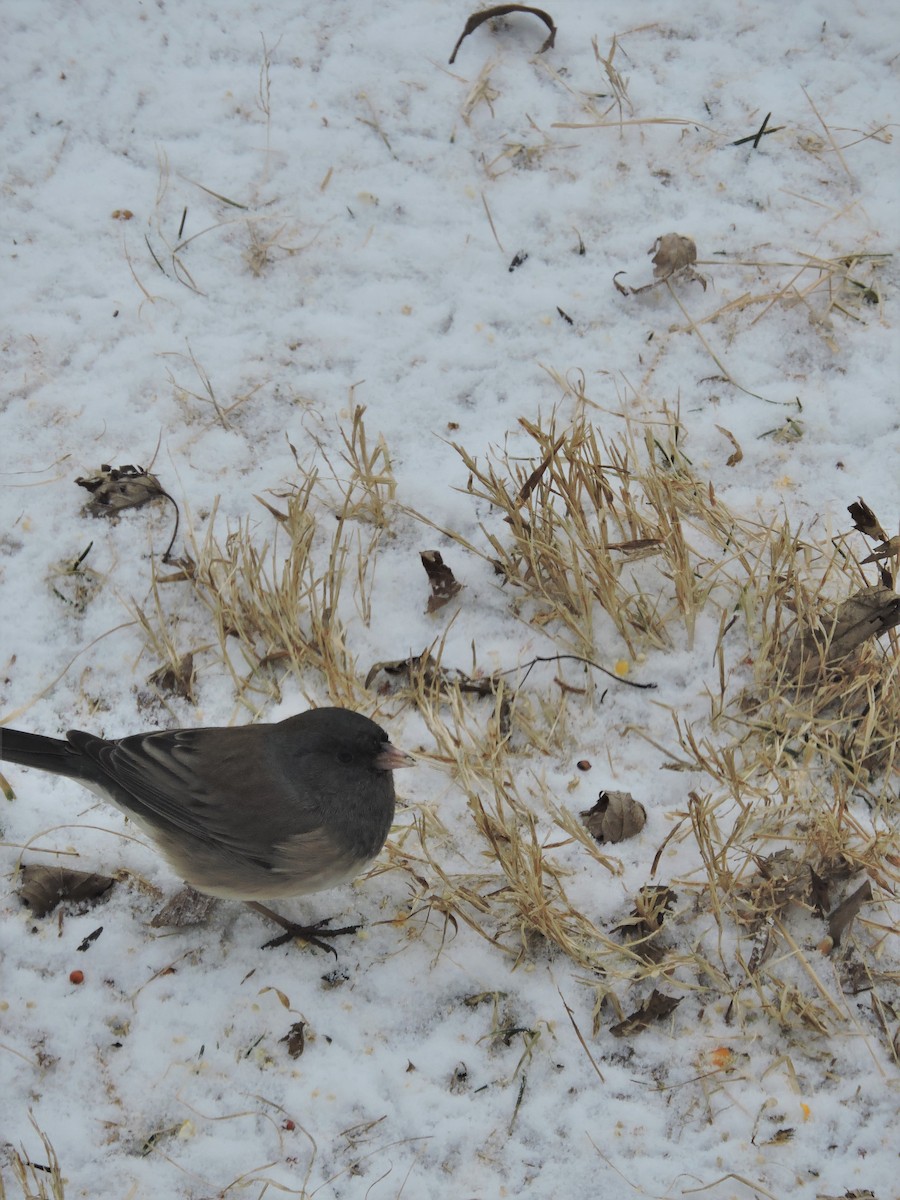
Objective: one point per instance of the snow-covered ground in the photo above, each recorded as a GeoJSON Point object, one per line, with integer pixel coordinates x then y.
{"type": "Point", "coordinates": [226, 227]}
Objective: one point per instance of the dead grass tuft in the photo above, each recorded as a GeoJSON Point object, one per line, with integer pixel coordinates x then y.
{"type": "Point", "coordinates": [34, 1180]}
{"type": "Point", "coordinates": [613, 546]}
{"type": "Point", "coordinates": [270, 604]}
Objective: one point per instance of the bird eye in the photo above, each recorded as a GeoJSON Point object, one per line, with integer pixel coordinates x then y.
{"type": "Point", "coordinates": [344, 756]}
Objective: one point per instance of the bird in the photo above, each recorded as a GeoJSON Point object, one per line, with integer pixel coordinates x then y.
{"type": "Point", "coordinates": [251, 813]}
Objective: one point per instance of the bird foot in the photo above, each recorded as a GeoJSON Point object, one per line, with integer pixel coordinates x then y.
{"type": "Point", "coordinates": [316, 935]}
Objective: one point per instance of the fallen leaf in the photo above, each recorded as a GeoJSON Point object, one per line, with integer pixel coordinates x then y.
{"type": "Point", "coordinates": [887, 549]}
{"type": "Point", "coordinates": [733, 459]}
{"type": "Point", "coordinates": [655, 1008]}
{"type": "Point", "coordinates": [295, 1039]}
{"type": "Point", "coordinates": [847, 910]}
{"type": "Point", "coordinates": [443, 584]}
{"type": "Point", "coordinates": [674, 252]}
{"type": "Point", "coordinates": [615, 817]}
{"type": "Point", "coordinates": [869, 613]}
{"type": "Point", "coordinates": [865, 520]}
{"type": "Point", "coordinates": [116, 488]}
{"type": "Point", "coordinates": [42, 888]}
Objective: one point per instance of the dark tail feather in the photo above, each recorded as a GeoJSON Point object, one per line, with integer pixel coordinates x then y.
{"type": "Point", "coordinates": [45, 753]}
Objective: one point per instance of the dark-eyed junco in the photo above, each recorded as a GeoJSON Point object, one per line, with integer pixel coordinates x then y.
{"type": "Point", "coordinates": [250, 813]}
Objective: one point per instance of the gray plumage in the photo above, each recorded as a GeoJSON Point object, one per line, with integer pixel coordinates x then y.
{"type": "Point", "coordinates": [253, 813]}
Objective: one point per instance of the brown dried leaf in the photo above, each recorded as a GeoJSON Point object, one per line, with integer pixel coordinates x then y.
{"type": "Point", "coordinates": [865, 520]}
{"type": "Point", "coordinates": [733, 459]}
{"type": "Point", "coordinates": [502, 10]}
{"type": "Point", "coordinates": [115, 488]}
{"type": "Point", "coordinates": [887, 549]}
{"type": "Point", "coordinates": [443, 584]}
{"type": "Point", "coordinates": [655, 1008]}
{"type": "Point", "coordinates": [674, 252]}
{"type": "Point", "coordinates": [187, 907]}
{"type": "Point", "coordinates": [869, 613]}
{"type": "Point", "coordinates": [295, 1039]}
{"type": "Point", "coordinates": [42, 888]}
{"type": "Point", "coordinates": [645, 922]}
{"type": "Point", "coordinates": [847, 910]}
{"type": "Point", "coordinates": [615, 817]}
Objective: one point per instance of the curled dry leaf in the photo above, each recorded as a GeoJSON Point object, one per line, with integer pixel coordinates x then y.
{"type": "Point", "coordinates": [615, 817]}
{"type": "Point", "coordinates": [503, 10]}
{"type": "Point", "coordinates": [443, 584]}
{"type": "Point", "coordinates": [116, 488]}
{"type": "Point", "coordinates": [42, 888]}
{"type": "Point", "coordinates": [673, 252]}
{"type": "Point", "coordinates": [737, 456]}
{"type": "Point", "coordinates": [888, 549]}
{"type": "Point", "coordinates": [865, 520]}
{"type": "Point", "coordinates": [655, 1008]}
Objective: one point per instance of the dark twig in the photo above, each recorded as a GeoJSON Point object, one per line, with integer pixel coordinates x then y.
{"type": "Point", "coordinates": [755, 137]}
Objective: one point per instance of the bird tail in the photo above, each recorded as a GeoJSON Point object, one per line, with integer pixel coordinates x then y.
{"type": "Point", "coordinates": [45, 753]}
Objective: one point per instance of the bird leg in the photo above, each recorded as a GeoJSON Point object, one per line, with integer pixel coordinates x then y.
{"type": "Point", "coordinates": [310, 933]}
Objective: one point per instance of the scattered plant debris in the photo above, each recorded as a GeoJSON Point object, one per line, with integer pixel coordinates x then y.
{"type": "Point", "coordinates": [736, 457]}
{"type": "Point", "coordinates": [87, 942]}
{"type": "Point", "coordinates": [652, 905]}
{"type": "Point", "coordinates": [176, 677]}
{"type": "Point", "coordinates": [75, 583]}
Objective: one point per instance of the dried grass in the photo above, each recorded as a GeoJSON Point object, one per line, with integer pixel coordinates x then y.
{"type": "Point", "coordinates": [35, 1181]}
{"type": "Point", "coordinates": [613, 546]}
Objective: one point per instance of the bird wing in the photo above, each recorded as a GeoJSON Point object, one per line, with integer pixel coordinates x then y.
{"type": "Point", "coordinates": [184, 781]}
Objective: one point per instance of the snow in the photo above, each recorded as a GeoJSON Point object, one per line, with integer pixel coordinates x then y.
{"type": "Point", "coordinates": [393, 202]}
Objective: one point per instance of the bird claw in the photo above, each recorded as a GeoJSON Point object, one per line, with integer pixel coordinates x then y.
{"type": "Point", "coordinates": [313, 934]}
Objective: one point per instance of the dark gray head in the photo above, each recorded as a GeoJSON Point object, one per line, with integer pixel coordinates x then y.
{"type": "Point", "coordinates": [341, 737]}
